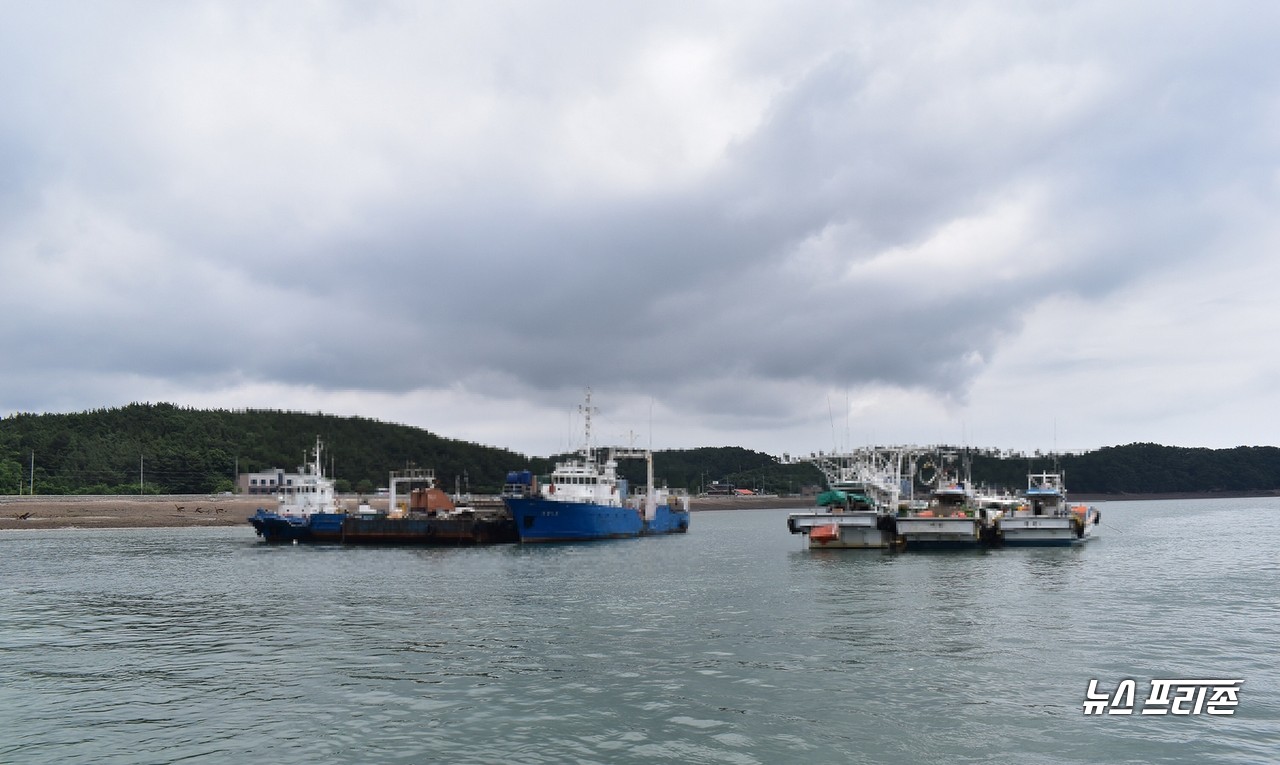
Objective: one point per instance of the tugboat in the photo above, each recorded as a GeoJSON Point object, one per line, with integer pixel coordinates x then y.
{"type": "Point", "coordinates": [584, 499]}
{"type": "Point", "coordinates": [1046, 520]}
{"type": "Point", "coordinates": [303, 508]}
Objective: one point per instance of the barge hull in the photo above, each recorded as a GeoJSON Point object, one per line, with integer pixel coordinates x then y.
{"type": "Point", "coordinates": [1043, 532]}
{"type": "Point", "coordinates": [336, 528]}
{"type": "Point", "coordinates": [940, 533]}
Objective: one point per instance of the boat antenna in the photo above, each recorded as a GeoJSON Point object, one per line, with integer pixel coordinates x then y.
{"type": "Point", "coordinates": [831, 415]}
{"type": "Point", "coordinates": [568, 431]}
{"type": "Point", "coordinates": [587, 409]}
{"type": "Point", "coordinates": [848, 434]}
{"type": "Point", "coordinates": [651, 423]}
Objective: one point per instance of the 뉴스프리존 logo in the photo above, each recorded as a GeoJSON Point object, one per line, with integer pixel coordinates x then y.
{"type": "Point", "coordinates": [1167, 697]}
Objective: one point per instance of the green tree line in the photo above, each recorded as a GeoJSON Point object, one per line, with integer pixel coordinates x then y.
{"type": "Point", "coordinates": [1141, 468]}
{"type": "Point", "coordinates": [167, 449]}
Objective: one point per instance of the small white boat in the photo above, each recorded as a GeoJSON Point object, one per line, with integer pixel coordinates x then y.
{"type": "Point", "coordinates": [857, 511]}
{"type": "Point", "coordinates": [843, 530]}
{"type": "Point", "coordinates": [1046, 519]}
{"type": "Point", "coordinates": [957, 516]}
{"type": "Point", "coordinates": [953, 519]}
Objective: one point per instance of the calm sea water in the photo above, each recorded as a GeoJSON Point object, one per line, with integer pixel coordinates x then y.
{"type": "Point", "coordinates": [732, 644]}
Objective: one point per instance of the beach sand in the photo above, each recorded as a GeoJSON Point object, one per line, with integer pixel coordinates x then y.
{"type": "Point", "coordinates": [48, 512]}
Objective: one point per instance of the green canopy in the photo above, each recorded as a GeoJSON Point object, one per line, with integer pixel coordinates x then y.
{"type": "Point", "coordinates": [837, 497]}
{"type": "Point", "coordinates": [832, 497]}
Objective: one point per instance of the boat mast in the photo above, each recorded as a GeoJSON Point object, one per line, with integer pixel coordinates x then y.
{"type": "Point", "coordinates": [586, 410]}
{"type": "Point", "coordinates": [651, 503]}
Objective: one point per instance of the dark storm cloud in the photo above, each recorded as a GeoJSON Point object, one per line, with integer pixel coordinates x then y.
{"type": "Point", "coordinates": [731, 213]}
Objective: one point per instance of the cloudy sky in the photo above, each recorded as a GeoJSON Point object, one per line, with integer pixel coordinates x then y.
{"type": "Point", "coordinates": [787, 226]}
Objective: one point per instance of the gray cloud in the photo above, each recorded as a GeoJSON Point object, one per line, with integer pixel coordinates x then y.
{"type": "Point", "coordinates": [735, 214]}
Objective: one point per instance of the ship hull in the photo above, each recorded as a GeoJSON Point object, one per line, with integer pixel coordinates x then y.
{"type": "Point", "coordinates": [543, 520]}
{"type": "Point", "coordinates": [341, 528]}
{"type": "Point", "coordinates": [844, 531]}
{"type": "Point", "coordinates": [428, 531]}
{"type": "Point", "coordinates": [940, 533]}
{"type": "Point", "coordinates": [277, 528]}
{"type": "Point", "coordinates": [1044, 531]}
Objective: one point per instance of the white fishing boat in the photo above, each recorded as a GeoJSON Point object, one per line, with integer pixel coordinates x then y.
{"type": "Point", "coordinates": [857, 512]}
{"type": "Point", "coordinates": [1046, 519]}
{"type": "Point", "coordinates": [957, 517]}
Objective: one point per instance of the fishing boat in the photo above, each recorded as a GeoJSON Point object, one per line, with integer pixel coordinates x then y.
{"type": "Point", "coordinates": [857, 511]}
{"type": "Point", "coordinates": [954, 518]}
{"type": "Point", "coordinates": [1045, 519]}
{"type": "Point", "coordinates": [584, 498]}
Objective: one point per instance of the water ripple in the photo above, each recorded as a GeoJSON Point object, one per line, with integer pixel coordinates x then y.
{"type": "Point", "coordinates": [731, 644]}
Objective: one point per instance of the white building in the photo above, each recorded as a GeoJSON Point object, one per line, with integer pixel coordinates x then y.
{"type": "Point", "coordinates": [268, 482]}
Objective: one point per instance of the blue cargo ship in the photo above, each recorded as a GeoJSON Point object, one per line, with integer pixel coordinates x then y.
{"type": "Point", "coordinates": [584, 498]}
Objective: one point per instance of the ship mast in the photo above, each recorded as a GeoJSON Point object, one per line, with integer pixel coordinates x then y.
{"type": "Point", "coordinates": [651, 501]}
{"type": "Point", "coordinates": [586, 410]}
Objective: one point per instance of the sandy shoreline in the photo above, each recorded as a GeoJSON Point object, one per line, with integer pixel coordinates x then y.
{"type": "Point", "coordinates": [52, 512]}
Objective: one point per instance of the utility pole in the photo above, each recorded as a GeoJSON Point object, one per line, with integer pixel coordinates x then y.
{"type": "Point", "coordinates": [32, 490]}
{"type": "Point", "coordinates": [141, 482]}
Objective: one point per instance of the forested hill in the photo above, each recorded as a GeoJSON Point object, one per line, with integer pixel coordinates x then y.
{"type": "Point", "coordinates": [1145, 468]}
{"type": "Point", "coordinates": [174, 450]}
{"type": "Point", "coordinates": [165, 449]}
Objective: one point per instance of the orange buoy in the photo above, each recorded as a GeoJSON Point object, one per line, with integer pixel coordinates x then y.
{"type": "Point", "coordinates": [828, 533]}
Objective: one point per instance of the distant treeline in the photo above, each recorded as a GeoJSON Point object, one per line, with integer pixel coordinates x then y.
{"type": "Point", "coordinates": [1145, 469]}
{"type": "Point", "coordinates": [166, 449]}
